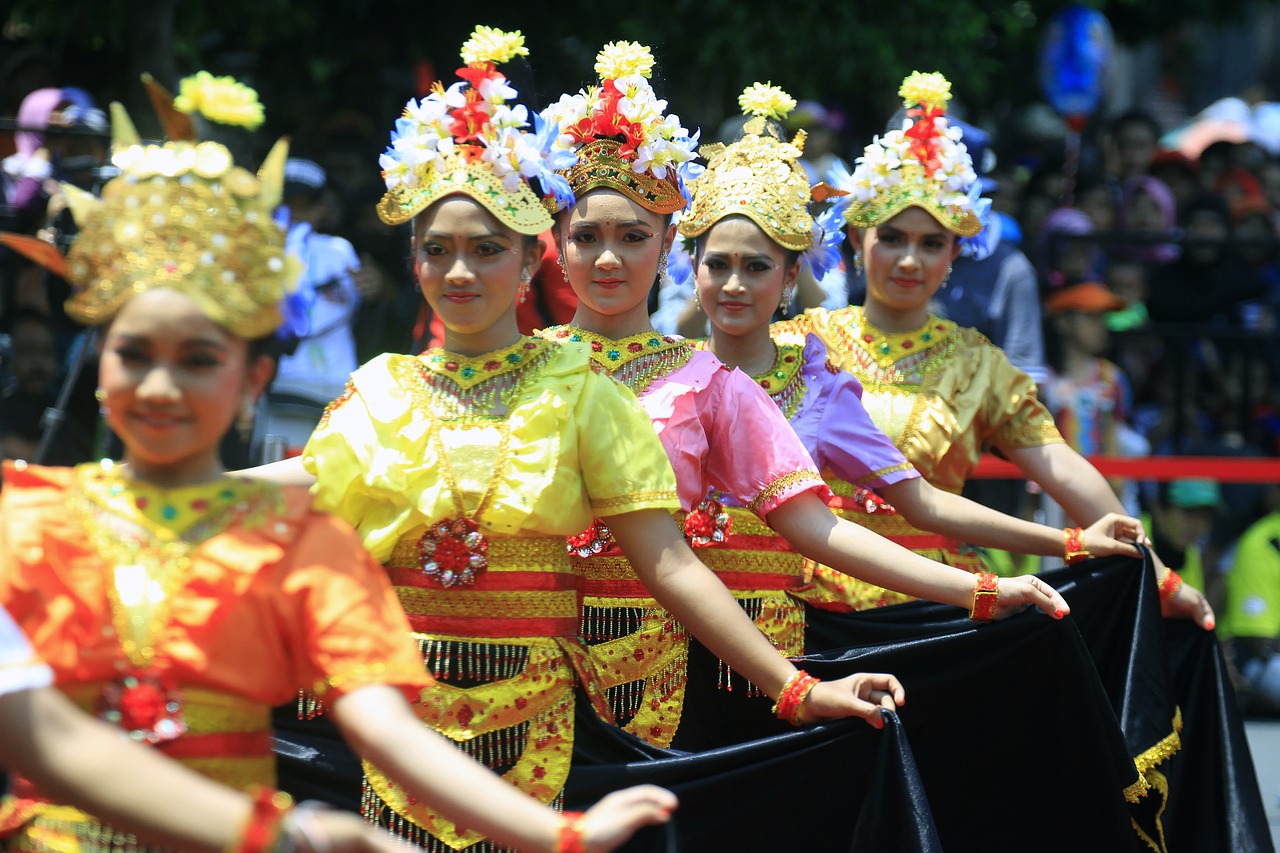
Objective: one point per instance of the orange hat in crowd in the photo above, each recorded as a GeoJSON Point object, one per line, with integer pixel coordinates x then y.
{"type": "Point", "coordinates": [1087, 297]}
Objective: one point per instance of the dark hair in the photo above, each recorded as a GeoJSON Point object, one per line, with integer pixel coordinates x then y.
{"type": "Point", "coordinates": [1138, 117]}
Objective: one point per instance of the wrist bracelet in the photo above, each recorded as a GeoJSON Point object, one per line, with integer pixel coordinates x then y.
{"type": "Point", "coordinates": [262, 832]}
{"type": "Point", "coordinates": [570, 839]}
{"type": "Point", "coordinates": [986, 595]}
{"type": "Point", "coordinates": [1169, 586]}
{"type": "Point", "coordinates": [793, 694]}
{"type": "Point", "coordinates": [1074, 547]}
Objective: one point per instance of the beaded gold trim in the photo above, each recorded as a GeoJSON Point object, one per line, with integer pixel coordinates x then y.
{"type": "Point", "coordinates": [600, 165]}
{"type": "Point", "coordinates": [469, 372]}
{"type": "Point", "coordinates": [784, 380]}
{"type": "Point", "coordinates": [471, 603]}
{"type": "Point", "coordinates": [598, 506]}
{"type": "Point", "coordinates": [636, 361]}
{"type": "Point", "coordinates": [515, 553]}
{"type": "Point", "coordinates": [781, 485]}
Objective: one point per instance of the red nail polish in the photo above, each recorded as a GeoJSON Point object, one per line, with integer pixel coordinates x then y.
{"type": "Point", "coordinates": [1058, 614]}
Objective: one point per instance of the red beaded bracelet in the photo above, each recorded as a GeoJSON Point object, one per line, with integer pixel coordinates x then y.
{"type": "Point", "coordinates": [793, 694]}
{"type": "Point", "coordinates": [1169, 586]}
{"type": "Point", "coordinates": [262, 832]}
{"type": "Point", "coordinates": [570, 839]}
{"type": "Point", "coordinates": [986, 595]}
{"type": "Point", "coordinates": [1074, 547]}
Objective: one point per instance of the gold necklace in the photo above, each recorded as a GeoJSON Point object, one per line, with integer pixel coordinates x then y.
{"type": "Point", "coordinates": [784, 381]}
{"type": "Point", "coordinates": [148, 562]}
{"type": "Point", "coordinates": [899, 360]}
{"type": "Point", "coordinates": [453, 386]}
{"type": "Point", "coordinates": [454, 551]}
{"type": "Point", "coordinates": [636, 361]}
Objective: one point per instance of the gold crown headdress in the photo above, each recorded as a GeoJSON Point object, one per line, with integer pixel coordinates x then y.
{"type": "Point", "coordinates": [466, 140]}
{"type": "Point", "coordinates": [180, 216]}
{"type": "Point", "coordinates": [760, 177]}
{"type": "Point", "coordinates": [616, 135]}
{"type": "Point", "coordinates": [925, 165]}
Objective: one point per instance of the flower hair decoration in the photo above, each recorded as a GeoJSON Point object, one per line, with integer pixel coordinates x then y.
{"type": "Point", "coordinates": [924, 164]}
{"type": "Point", "coordinates": [760, 177]}
{"type": "Point", "coordinates": [468, 139]}
{"type": "Point", "coordinates": [219, 99]}
{"type": "Point", "coordinates": [617, 135]}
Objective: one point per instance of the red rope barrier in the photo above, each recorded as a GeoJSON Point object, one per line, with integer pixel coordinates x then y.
{"type": "Point", "coordinates": [1225, 469]}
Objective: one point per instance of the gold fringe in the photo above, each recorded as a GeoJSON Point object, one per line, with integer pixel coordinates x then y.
{"type": "Point", "coordinates": [1161, 784]}
{"type": "Point", "coordinates": [1164, 750]}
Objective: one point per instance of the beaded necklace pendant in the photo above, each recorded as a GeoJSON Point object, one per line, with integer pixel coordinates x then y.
{"type": "Point", "coordinates": [457, 387]}
{"type": "Point", "coordinates": [784, 381]}
{"type": "Point", "coordinates": [900, 360]}
{"type": "Point", "coordinates": [636, 361]}
{"type": "Point", "coordinates": [145, 536]}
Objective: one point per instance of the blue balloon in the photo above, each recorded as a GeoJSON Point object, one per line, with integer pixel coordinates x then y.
{"type": "Point", "coordinates": [1073, 62]}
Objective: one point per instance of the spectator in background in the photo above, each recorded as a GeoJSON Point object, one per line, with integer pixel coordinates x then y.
{"type": "Point", "coordinates": [1099, 199]}
{"type": "Point", "coordinates": [1181, 517]}
{"type": "Point", "coordinates": [1251, 618]}
{"type": "Point", "coordinates": [320, 346]}
{"type": "Point", "coordinates": [1148, 210]}
{"type": "Point", "coordinates": [1065, 255]}
{"type": "Point", "coordinates": [1088, 396]}
{"type": "Point", "coordinates": [1179, 173]}
{"type": "Point", "coordinates": [1206, 282]}
{"type": "Point", "coordinates": [1130, 146]}
{"type": "Point", "coordinates": [33, 370]}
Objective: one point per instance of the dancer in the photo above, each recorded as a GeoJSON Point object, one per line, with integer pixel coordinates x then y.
{"type": "Point", "coordinates": [179, 603]}
{"type": "Point", "coordinates": [941, 392]}
{"type": "Point", "coordinates": [464, 468]}
{"type": "Point", "coordinates": [749, 247]}
{"type": "Point", "coordinates": [629, 162]}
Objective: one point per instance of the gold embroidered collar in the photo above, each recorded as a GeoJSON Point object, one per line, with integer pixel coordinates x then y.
{"type": "Point", "coordinates": [469, 372]}
{"type": "Point", "coordinates": [888, 349]}
{"type": "Point", "coordinates": [613, 355]}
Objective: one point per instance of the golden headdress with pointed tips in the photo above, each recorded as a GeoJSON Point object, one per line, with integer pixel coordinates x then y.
{"type": "Point", "coordinates": [759, 176]}
{"type": "Point", "coordinates": [925, 165]}
{"type": "Point", "coordinates": [180, 216]}
{"type": "Point", "coordinates": [618, 136]}
{"type": "Point", "coordinates": [467, 140]}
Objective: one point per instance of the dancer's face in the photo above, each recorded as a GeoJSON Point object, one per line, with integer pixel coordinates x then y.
{"type": "Point", "coordinates": [742, 274]}
{"type": "Point", "coordinates": [611, 247]}
{"type": "Point", "coordinates": [174, 381]}
{"type": "Point", "coordinates": [469, 265]}
{"type": "Point", "coordinates": [906, 259]}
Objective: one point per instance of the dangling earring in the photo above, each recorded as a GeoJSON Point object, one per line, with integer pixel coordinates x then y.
{"type": "Point", "coordinates": [101, 396]}
{"type": "Point", "coordinates": [788, 294]}
{"type": "Point", "coordinates": [244, 420]}
{"type": "Point", "coordinates": [947, 278]}
{"type": "Point", "coordinates": [564, 269]}
{"type": "Point", "coordinates": [857, 262]}
{"type": "Point", "coordinates": [522, 292]}
{"type": "Point", "coordinates": [662, 265]}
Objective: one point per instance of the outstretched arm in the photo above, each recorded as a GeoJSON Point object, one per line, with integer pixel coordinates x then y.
{"type": "Point", "coordinates": [1086, 496]}
{"type": "Point", "coordinates": [73, 758]}
{"type": "Point", "coordinates": [380, 725]}
{"type": "Point", "coordinates": [807, 523]}
{"type": "Point", "coordinates": [696, 597]}
{"type": "Point", "coordinates": [935, 510]}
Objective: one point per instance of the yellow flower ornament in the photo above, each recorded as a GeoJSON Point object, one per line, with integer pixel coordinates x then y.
{"type": "Point", "coordinates": [220, 99]}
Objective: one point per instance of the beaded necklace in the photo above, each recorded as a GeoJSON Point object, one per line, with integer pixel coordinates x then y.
{"type": "Point", "coordinates": [453, 386]}
{"type": "Point", "coordinates": [460, 393]}
{"type": "Point", "coordinates": [900, 360]}
{"type": "Point", "coordinates": [784, 381]}
{"type": "Point", "coordinates": [636, 361]}
{"type": "Point", "coordinates": [146, 535]}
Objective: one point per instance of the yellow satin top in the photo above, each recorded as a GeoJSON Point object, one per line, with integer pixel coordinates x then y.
{"type": "Point", "coordinates": [942, 392]}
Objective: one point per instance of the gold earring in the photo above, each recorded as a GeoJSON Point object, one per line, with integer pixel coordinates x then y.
{"type": "Point", "coordinates": [522, 292]}
{"type": "Point", "coordinates": [857, 262]}
{"type": "Point", "coordinates": [101, 396]}
{"type": "Point", "coordinates": [244, 420]}
{"type": "Point", "coordinates": [788, 294]}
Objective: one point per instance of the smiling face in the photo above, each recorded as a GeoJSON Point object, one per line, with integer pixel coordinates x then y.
{"type": "Point", "coordinates": [174, 380]}
{"type": "Point", "coordinates": [611, 247]}
{"type": "Point", "coordinates": [742, 274]}
{"type": "Point", "coordinates": [469, 266]}
{"type": "Point", "coordinates": [906, 262]}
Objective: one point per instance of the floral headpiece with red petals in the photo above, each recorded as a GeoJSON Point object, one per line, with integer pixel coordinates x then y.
{"type": "Point", "coordinates": [925, 164]}
{"type": "Point", "coordinates": [467, 140]}
{"type": "Point", "coordinates": [620, 138]}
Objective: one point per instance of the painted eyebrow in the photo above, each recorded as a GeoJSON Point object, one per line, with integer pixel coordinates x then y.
{"type": "Point", "coordinates": [750, 256]}
{"type": "Point", "coordinates": [442, 235]}
{"type": "Point", "coordinates": [629, 223]}
{"type": "Point", "coordinates": [213, 343]}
